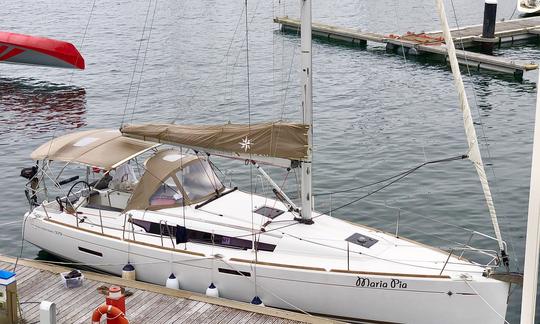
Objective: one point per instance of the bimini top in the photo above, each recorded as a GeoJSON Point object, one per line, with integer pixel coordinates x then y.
{"type": "Point", "coordinates": [173, 179]}
{"type": "Point", "coordinates": [104, 148]}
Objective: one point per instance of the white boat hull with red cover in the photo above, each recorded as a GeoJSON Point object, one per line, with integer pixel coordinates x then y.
{"type": "Point", "coordinates": [27, 49]}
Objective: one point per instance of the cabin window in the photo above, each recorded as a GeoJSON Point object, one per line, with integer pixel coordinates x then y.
{"type": "Point", "coordinates": [167, 194]}
{"type": "Point", "coordinates": [189, 235]}
{"type": "Point", "coordinates": [199, 180]}
{"type": "Point", "coordinates": [155, 228]}
{"type": "Point", "coordinates": [184, 235]}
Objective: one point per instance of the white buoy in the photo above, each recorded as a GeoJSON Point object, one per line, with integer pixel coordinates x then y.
{"type": "Point", "coordinates": [128, 272]}
{"type": "Point", "coordinates": [212, 291]}
{"type": "Point", "coordinates": [172, 282]}
{"type": "Point", "coordinates": [257, 301]}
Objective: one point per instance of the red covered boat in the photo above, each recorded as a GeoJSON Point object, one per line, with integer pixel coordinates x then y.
{"type": "Point", "coordinates": [26, 49]}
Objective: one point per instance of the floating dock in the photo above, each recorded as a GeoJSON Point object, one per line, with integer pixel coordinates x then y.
{"type": "Point", "coordinates": [38, 281]}
{"type": "Point", "coordinates": [506, 32]}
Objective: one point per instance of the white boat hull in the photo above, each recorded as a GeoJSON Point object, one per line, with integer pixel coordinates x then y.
{"type": "Point", "coordinates": [349, 296]}
{"type": "Point", "coordinates": [526, 7]}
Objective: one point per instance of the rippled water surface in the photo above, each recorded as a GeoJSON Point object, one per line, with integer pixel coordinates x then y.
{"type": "Point", "coordinates": [376, 114]}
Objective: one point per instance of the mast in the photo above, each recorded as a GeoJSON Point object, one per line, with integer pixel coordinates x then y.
{"type": "Point", "coordinates": [474, 150]}
{"type": "Point", "coordinates": [307, 108]}
{"type": "Point", "coordinates": [532, 244]}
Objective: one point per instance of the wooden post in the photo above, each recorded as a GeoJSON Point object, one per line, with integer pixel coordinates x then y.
{"type": "Point", "coordinates": [488, 30]}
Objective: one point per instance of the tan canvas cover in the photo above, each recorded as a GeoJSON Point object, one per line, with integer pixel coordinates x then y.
{"type": "Point", "coordinates": [104, 148]}
{"type": "Point", "coordinates": [279, 139]}
{"type": "Point", "coordinates": [157, 169]}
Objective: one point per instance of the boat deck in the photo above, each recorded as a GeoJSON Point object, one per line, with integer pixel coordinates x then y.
{"type": "Point", "coordinates": [506, 32]}
{"type": "Point", "coordinates": [149, 303]}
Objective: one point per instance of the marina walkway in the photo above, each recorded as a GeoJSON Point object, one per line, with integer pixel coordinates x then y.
{"type": "Point", "coordinates": [506, 32]}
{"type": "Point", "coordinates": [149, 303]}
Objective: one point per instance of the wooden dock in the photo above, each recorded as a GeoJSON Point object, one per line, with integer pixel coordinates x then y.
{"type": "Point", "coordinates": [506, 32]}
{"type": "Point", "coordinates": [37, 281]}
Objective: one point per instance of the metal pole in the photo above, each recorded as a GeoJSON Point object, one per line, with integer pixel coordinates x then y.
{"type": "Point", "coordinates": [101, 221]}
{"type": "Point", "coordinates": [444, 266]}
{"type": "Point", "coordinates": [307, 108]}
{"type": "Point", "coordinates": [466, 245]}
{"type": "Point", "coordinates": [397, 222]}
{"type": "Point", "coordinates": [348, 262]}
{"type": "Point", "coordinates": [530, 268]}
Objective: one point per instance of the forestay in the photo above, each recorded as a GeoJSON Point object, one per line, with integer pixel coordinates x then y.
{"type": "Point", "coordinates": [276, 140]}
{"type": "Point", "coordinates": [474, 150]}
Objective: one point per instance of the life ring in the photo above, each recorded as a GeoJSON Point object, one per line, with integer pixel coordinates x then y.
{"type": "Point", "coordinates": [114, 315]}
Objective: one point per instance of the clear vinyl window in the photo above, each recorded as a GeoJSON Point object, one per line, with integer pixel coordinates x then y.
{"type": "Point", "coordinates": [199, 180]}
{"type": "Point", "coordinates": [167, 194]}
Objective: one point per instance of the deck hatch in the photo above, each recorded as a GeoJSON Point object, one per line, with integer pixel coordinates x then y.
{"type": "Point", "coordinates": [269, 212]}
{"type": "Point", "coordinates": [362, 240]}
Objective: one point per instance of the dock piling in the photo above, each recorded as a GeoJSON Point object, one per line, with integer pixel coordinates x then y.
{"type": "Point", "coordinates": [488, 27]}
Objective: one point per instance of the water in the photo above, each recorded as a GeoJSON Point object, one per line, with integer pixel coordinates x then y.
{"type": "Point", "coordinates": [375, 113]}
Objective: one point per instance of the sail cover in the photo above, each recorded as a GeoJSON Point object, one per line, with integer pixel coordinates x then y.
{"type": "Point", "coordinates": [26, 49]}
{"type": "Point", "coordinates": [474, 149]}
{"type": "Point", "coordinates": [104, 148]}
{"type": "Point", "coordinates": [278, 140]}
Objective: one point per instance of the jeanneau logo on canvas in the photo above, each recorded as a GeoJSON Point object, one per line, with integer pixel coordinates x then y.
{"type": "Point", "coordinates": [371, 283]}
{"type": "Point", "coordinates": [246, 144]}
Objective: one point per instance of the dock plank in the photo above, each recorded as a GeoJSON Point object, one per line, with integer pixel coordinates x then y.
{"type": "Point", "coordinates": [149, 303]}
{"type": "Point", "coordinates": [169, 311]}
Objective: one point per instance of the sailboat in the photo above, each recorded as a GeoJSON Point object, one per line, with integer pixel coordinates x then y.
{"type": "Point", "coordinates": [178, 219]}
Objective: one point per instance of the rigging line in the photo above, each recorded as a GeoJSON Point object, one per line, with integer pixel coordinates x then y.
{"type": "Point", "coordinates": [484, 136]}
{"type": "Point", "coordinates": [347, 204]}
{"type": "Point", "coordinates": [136, 62]}
{"type": "Point", "coordinates": [370, 255]}
{"type": "Point", "coordinates": [214, 180]}
{"type": "Point", "coordinates": [513, 12]}
{"type": "Point", "coordinates": [244, 40]}
{"type": "Point", "coordinates": [407, 172]}
{"type": "Point", "coordinates": [144, 60]}
{"type": "Point", "coordinates": [196, 92]}
{"type": "Point", "coordinates": [470, 129]}
{"type": "Point", "coordinates": [83, 38]}
{"type": "Point", "coordinates": [471, 81]}
{"type": "Point", "coordinates": [22, 244]}
{"type": "Point", "coordinates": [287, 84]}
{"type": "Point", "coordinates": [486, 302]}
{"type": "Point", "coordinates": [397, 24]}
{"type": "Point", "coordinates": [427, 217]}
{"type": "Point", "coordinates": [342, 206]}
{"type": "Point", "coordinates": [227, 66]}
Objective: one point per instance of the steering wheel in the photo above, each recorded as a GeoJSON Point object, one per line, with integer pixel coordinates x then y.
{"type": "Point", "coordinates": [79, 189]}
